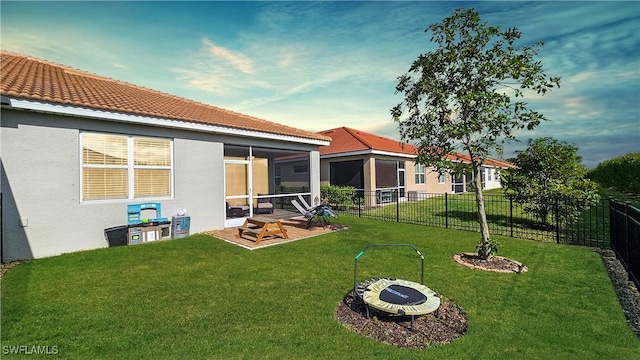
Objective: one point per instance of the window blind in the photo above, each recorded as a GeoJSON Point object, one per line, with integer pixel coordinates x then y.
{"type": "Point", "coordinates": [108, 164]}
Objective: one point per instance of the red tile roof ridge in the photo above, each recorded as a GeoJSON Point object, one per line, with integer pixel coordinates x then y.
{"type": "Point", "coordinates": [68, 69]}
{"type": "Point", "coordinates": [146, 111]}
{"type": "Point", "coordinates": [74, 71]}
{"type": "Point", "coordinates": [358, 135]}
{"type": "Point", "coordinates": [354, 133]}
{"type": "Point", "coordinates": [365, 142]}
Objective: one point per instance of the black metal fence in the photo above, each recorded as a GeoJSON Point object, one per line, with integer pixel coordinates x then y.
{"type": "Point", "coordinates": [609, 224]}
{"type": "Point", "coordinates": [625, 237]}
{"type": "Point", "coordinates": [505, 217]}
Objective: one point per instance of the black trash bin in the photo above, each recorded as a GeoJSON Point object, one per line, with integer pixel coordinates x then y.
{"type": "Point", "coordinates": [117, 235]}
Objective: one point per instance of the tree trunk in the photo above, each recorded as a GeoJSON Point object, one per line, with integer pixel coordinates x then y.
{"type": "Point", "coordinates": [482, 215]}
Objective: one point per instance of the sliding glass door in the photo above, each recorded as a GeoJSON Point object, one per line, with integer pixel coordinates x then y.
{"type": "Point", "coordinates": [237, 175]}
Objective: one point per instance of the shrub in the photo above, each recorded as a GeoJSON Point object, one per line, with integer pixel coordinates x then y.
{"type": "Point", "coordinates": [621, 173]}
{"type": "Point", "coordinates": [339, 197]}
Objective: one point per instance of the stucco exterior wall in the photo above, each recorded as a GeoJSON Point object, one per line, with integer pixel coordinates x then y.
{"type": "Point", "coordinates": [430, 185]}
{"type": "Point", "coordinates": [492, 178]}
{"type": "Point", "coordinates": [43, 213]}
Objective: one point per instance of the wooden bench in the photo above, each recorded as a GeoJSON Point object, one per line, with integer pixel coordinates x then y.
{"type": "Point", "coordinates": [262, 226]}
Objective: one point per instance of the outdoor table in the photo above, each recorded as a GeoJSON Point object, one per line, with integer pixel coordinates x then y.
{"type": "Point", "coordinates": [261, 226]}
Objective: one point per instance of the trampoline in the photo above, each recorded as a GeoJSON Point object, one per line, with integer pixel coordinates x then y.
{"type": "Point", "coordinates": [395, 296]}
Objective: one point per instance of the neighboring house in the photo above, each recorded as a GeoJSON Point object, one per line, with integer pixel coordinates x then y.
{"type": "Point", "coordinates": [377, 164]}
{"type": "Point", "coordinates": [77, 148]}
{"type": "Point", "coordinates": [490, 174]}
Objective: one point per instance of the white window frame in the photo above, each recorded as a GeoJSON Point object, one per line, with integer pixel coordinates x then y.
{"type": "Point", "coordinates": [442, 179]}
{"type": "Point", "coordinates": [131, 167]}
{"type": "Point", "coordinates": [419, 171]}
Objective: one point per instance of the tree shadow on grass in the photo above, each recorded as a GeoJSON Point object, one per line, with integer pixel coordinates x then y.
{"type": "Point", "coordinates": [494, 221]}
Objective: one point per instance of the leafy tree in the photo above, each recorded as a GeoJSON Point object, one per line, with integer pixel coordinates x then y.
{"type": "Point", "coordinates": [549, 172]}
{"type": "Point", "coordinates": [459, 97]}
{"type": "Point", "coordinates": [621, 173]}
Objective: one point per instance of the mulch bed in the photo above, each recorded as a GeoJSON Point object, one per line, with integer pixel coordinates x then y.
{"type": "Point", "coordinates": [496, 263]}
{"type": "Point", "coordinates": [6, 266]}
{"type": "Point", "coordinates": [444, 325]}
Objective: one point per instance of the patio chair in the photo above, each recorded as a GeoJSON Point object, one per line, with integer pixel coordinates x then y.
{"type": "Point", "coordinates": [308, 214]}
{"type": "Point", "coordinates": [320, 210]}
{"type": "Point", "coordinates": [324, 211]}
{"type": "Point", "coordinates": [263, 206]}
{"type": "Point", "coordinates": [304, 202]}
{"type": "Point", "coordinates": [237, 211]}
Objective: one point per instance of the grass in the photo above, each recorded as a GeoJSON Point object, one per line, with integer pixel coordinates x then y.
{"type": "Point", "coordinates": [632, 198]}
{"type": "Point", "coordinates": [202, 298]}
{"type": "Point", "coordinates": [503, 217]}
{"type": "Point", "coordinates": [460, 212]}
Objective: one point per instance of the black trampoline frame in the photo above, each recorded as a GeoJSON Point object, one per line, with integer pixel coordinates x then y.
{"type": "Point", "coordinates": [359, 291]}
{"type": "Point", "coordinates": [355, 268]}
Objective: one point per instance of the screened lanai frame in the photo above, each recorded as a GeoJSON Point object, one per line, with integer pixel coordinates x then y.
{"type": "Point", "coordinates": [254, 174]}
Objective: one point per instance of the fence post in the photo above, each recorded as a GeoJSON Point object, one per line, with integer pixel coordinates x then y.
{"type": "Point", "coordinates": [397, 193]}
{"type": "Point", "coordinates": [360, 205]}
{"type": "Point", "coordinates": [557, 215]}
{"type": "Point", "coordinates": [446, 211]}
{"type": "Point", "coordinates": [626, 232]}
{"type": "Point", "coordinates": [511, 215]}
{"type": "Point", "coordinates": [612, 219]}
{"type": "Point", "coordinates": [604, 230]}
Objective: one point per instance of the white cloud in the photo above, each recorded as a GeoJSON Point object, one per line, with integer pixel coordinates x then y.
{"type": "Point", "coordinates": [237, 60]}
{"type": "Point", "coordinates": [200, 80]}
{"type": "Point", "coordinates": [219, 70]}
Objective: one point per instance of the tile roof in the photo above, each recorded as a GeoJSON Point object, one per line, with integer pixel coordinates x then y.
{"type": "Point", "coordinates": [345, 140]}
{"type": "Point", "coordinates": [29, 78]}
{"type": "Point", "coordinates": [500, 164]}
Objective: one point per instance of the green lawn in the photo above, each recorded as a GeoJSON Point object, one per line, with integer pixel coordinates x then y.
{"type": "Point", "coordinates": [503, 216]}
{"type": "Point", "coordinates": [632, 198]}
{"type": "Point", "coordinates": [203, 298]}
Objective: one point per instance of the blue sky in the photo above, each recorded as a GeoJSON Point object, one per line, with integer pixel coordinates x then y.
{"type": "Point", "coordinates": [319, 65]}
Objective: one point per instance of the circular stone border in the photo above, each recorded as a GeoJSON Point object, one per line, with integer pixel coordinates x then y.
{"type": "Point", "coordinates": [459, 260]}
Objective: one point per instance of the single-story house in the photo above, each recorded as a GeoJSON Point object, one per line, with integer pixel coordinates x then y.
{"type": "Point", "coordinates": [382, 165]}
{"type": "Point", "coordinates": [79, 148]}
{"type": "Point", "coordinates": [490, 174]}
